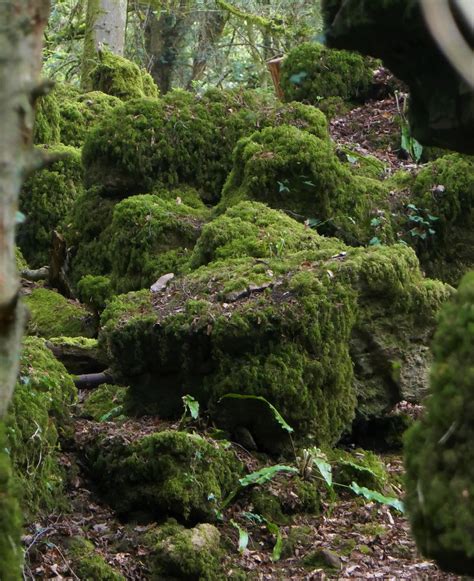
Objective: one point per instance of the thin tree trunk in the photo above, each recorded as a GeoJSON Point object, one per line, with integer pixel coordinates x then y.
{"type": "Point", "coordinates": [106, 22]}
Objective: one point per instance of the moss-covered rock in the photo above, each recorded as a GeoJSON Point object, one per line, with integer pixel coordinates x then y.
{"type": "Point", "coordinates": [39, 411]}
{"type": "Point", "coordinates": [439, 222]}
{"type": "Point", "coordinates": [11, 554]}
{"type": "Point", "coordinates": [312, 72]}
{"type": "Point", "coordinates": [78, 354]}
{"type": "Point", "coordinates": [47, 129]}
{"type": "Point", "coordinates": [88, 564]}
{"type": "Point", "coordinates": [46, 197]}
{"type": "Point", "coordinates": [104, 403]}
{"type": "Point", "coordinates": [133, 241]}
{"type": "Point", "coordinates": [438, 449]}
{"type": "Point", "coordinates": [181, 139]}
{"type": "Point", "coordinates": [360, 466]}
{"type": "Point", "coordinates": [291, 169]}
{"type": "Point", "coordinates": [183, 553]}
{"type": "Point", "coordinates": [117, 76]}
{"type": "Point", "coordinates": [20, 260]}
{"type": "Point", "coordinates": [168, 473]}
{"type": "Point", "coordinates": [280, 328]}
{"type": "Point", "coordinates": [52, 315]}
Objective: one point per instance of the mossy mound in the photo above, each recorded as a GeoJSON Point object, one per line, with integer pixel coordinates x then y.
{"type": "Point", "coordinates": [81, 111]}
{"type": "Point", "coordinates": [117, 76]}
{"type": "Point", "coordinates": [441, 226]}
{"type": "Point", "coordinates": [312, 72]}
{"type": "Point", "coordinates": [133, 241]}
{"type": "Point", "coordinates": [181, 139]}
{"type": "Point", "coordinates": [168, 473]}
{"type": "Point", "coordinates": [254, 229]}
{"type": "Point", "coordinates": [293, 170]}
{"type": "Point", "coordinates": [180, 553]}
{"type": "Point", "coordinates": [438, 449]}
{"type": "Point", "coordinates": [88, 564]}
{"type": "Point", "coordinates": [104, 403]}
{"type": "Point", "coordinates": [280, 328]}
{"type": "Point", "coordinates": [11, 555]}
{"type": "Point", "coordinates": [52, 315]}
{"type": "Point", "coordinates": [360, 466]}
{"type": "Point", "coordinates": [46, 197]}
{"type": "Point", "coordinates": [38, 412]}
{"type": "Point", "coordinates": [47, 128]}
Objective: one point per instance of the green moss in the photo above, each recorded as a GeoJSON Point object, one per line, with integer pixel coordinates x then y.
{"type": "Point", "coordinates": [167, 473]}
{"type": "Point", "coordinates": [107, 401]}
{"type": "Point", "coordinates": [299, 537]}
{"type": "Point", "coordinates": [444, 189]}
{"type": "Point", "coordinates": [186, 553]}
{"type": "Point", "coordinates": [52, 315]}
{"type": "Point", "coordinates": [312, 72]}
{"type": "Point", "coordinates": [322, 559]}
{"type": "Point", "coordinates": [438, 449]}
{"type": "Point", "coordinates": [95, 291]}
{"type": "Point", "coordinates": [11, 554]}
{"type": "Point", "coordinates": [21, 263]}
{"type": "Point", "coordinates": [253, 229]}
{"type": "Point", "coordinates": [360, 466]}
{"type": "Point", "coordinates": [360, 164]}
{"type": "Point", "coordinates": [88, 564]}
{"type": "Point", "coordinates": [117, 76]}
{"type": "Point", "coordinates": [78, 354]}
{"type": "Point", "coordinates": [44, 200]}
{"type": "Point", "coordinates": [167, 140]}
{"type": "Point", "coordinates": [268, 505]}
{"type": "Point", "coordinates": [39, 410]}
{"type": "Point", "coordinates": [290, 169]}
{"type": "Point", "coordinates": [47, 120]}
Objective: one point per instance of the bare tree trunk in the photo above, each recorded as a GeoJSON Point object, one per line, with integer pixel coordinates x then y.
{"type": "Point", "coordinates": [164, 37]}
{"type": "Point", "coordinates": [21, 32]}
{"type": "Point", "coordinates": [106, 22]}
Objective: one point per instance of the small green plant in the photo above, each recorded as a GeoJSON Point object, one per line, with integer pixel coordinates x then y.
{"type": "Point", "coordinates": [420, 222]}
{"type": "Point", "coordinates": [191, 409]}
{"type": "Point", "coordinates": [408, 143]}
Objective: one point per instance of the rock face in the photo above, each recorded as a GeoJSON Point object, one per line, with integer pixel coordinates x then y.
{"type": "Point", "coordinates": [287, 328]}
{"type": "Point", "coordinates": [167, 473]}
{"type": "Point", "coordinates": [438, 450]}
{"type": "Point", "coordinates": [442, 106]}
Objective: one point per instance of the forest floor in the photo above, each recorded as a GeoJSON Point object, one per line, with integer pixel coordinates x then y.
{"type": "Point", "coordinates": [362, 539]}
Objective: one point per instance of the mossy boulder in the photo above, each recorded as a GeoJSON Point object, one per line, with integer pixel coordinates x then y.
{"type": "Point", "coordinates": [46, 197]}
{"type": "Point", "coordinates": [183, 553]}
{"type": "Point", "coordinates": [106, 402]}
{"type": "Point", "coordinates": [117, 76]}
{"type": "Point", "coordinates": [47, 128]}
{"type": "Point", "coordinates": [133, 241]}
{"type": "Point", "coordinates": [180, 139]}
{"type": "Point", "coordinates": [39, 413]}
{"type": "Point", "coordinates": [11, 554]}
{"type": "Point", "coordinates": [167, 473]}
{"type": "Point", "coordinates": [89, 564]}
{"type": "Point", "coordinates": [20, 260]}
{"type": "Point", "coordinates": [312, 72]}
{"type": "Point", "coordinates": [52, 315]}
{"type": "Point", "coordinates": [439, 222]}
{"type": "Point", "coordinates": [438, 449]}
{"type": "Point", "coordinates": [281, 328]}
{"type": "Point", "coordinates": [291, 169]}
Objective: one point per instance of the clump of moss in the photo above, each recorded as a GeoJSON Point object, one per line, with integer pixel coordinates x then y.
{"type": "Point", "coordinates": [442, 224]}
{"type": "Point", "coordinates": [11, 554]}
{"type": "Point", "coordinates": [117, 76]}
{"type": "Point", "coordinates": [312, 72]}
{"type": "Point", "coordinates": [47, 128]}
{"type": "Point", "coordinates": [45, 199]}
{"type": "Point", "coordinates": [290, 169]}
{"type": "Point", "coordinates": [104, 403]}
{"type": "Point", "coordinates": [21, 263]}
{"type": "Point", "coordinates": [167, 140]}
{"type": "Point", "coordinates": [360, 466]}
{"type": "Point", "coordinates": [364, 165]}
{"type": "Point", "coordinates": [186, 553]}
{"type": "Point", "coordinates": [167, 473]}
{"type": "Point", "coordinates": [438, 449]}
{"type": "Point", "coordinates": [95, 291]}
{"type": "Point", "coordinates": [38, 411]}
{"type": "Point", "coordinates": [52, 315]}
{"type": "Point", "coordinates": [78, 354]}
{"type": "Point", "coordinates": [88, 564]}
{"type": "Point", "coordinates": [253, 229]}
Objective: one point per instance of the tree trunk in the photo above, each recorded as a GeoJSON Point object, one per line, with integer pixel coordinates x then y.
{"type": "Point", "coordinates": [21, 32]}
{"type": "Point", "coordinates": [106, 21]}
{"type": "Point", "coordinates": [164, 38]}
